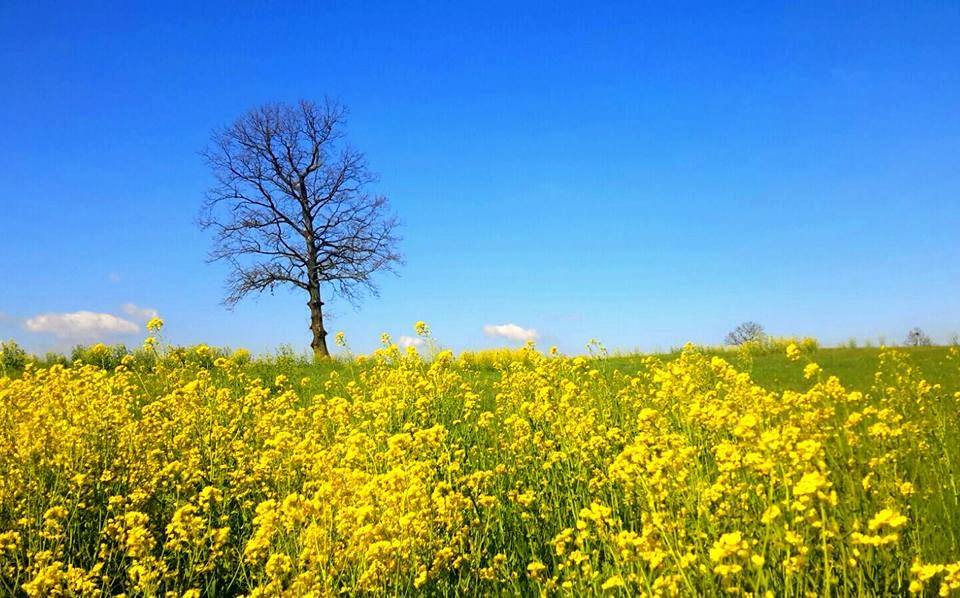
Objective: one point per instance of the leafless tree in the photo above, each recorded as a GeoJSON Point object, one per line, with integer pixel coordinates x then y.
{"type": "Point", "coordinates": [917, 338]}
{"type": "Point", "coordinates": [744, 333]}
{"type": "Point", "coordinates": [291, 207]}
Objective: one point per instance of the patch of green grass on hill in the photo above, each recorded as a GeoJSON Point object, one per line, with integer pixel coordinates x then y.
{"type": "Point", "coordinates": [855, 367]}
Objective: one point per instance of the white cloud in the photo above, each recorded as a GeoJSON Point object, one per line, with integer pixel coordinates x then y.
{"type": "Point", "coordinates": [411, 341]}
{"type": "Point", "coordinates": [140, 313]}
{"type": "Point", "coordinates": [511, 332]}
{"type": "Point", "coordinates": [80, 325]}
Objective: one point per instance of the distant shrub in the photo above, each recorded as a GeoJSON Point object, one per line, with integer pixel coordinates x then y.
{"type": "Point", "coordinates": [287, 356]}
{"type": "Point", "coordinates": [241, 356]}
{"type": "Point", "coordinates": [51, 358]}
{"type": "Point", "coordinates": [203, 355]}
{"type": "Point", "coordinates": [143, 359]}
{"type": "Point", "coordinates": [104, 356]}
{"type": "Point", "coordinates": [13, 358]}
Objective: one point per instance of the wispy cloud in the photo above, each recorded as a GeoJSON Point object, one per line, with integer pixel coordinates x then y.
{"type": "Point", "coordinates": [511, 332]}
{"type": "Point", "coordinates": [140, 313]}
{"type": "Point", "coordinates": [85, 325]}
{"type": "Point", "coordinates": [411, 341]}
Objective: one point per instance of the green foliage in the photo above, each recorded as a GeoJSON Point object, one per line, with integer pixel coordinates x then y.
{"type": "Point", "coordinates": [107, 357]}
{"type": "Point", "coordinates": [13, 358]}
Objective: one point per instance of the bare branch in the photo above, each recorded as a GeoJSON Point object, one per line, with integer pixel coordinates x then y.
{"type": "Point", "coordinates": [290, 207]}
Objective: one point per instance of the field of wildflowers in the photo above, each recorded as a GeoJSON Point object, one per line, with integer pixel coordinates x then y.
{"type": "Point", "coordinates": [201, 473]}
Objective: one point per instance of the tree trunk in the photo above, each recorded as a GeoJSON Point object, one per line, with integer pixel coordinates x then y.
{"type": "Point", "coordinates": [319, 342]}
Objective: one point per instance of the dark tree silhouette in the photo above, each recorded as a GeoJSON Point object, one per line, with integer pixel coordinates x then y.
{"type": "Point", "coordinates": [744, 333]}
{"type": "Point", "coordinates": [291, 207]}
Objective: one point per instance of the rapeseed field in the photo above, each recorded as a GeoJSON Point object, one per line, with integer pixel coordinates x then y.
{"type": "Point", "coordinates": [194, 472]}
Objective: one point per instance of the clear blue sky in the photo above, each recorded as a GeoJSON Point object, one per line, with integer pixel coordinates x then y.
{"type": "Point", "coordinates": [640, 174]}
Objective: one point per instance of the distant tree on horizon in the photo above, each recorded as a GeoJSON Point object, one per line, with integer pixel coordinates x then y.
{"type": "Point", "coordinates": [917, 338]}
{"type": "Point", "coordinates": [744, 333]}
{"type": "Point", "coordinates": [291, 207]}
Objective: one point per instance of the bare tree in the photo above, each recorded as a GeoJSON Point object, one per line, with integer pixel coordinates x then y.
{"type": "Point", "coordinates": [291, 207]}
{"type": "Point", "coordinates": [917, 338]}
{"type": "Point", "coordinates": [744, 333]}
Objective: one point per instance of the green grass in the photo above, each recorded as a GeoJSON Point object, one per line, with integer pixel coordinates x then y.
{"type": "Point", "coordinates": [854, 367]}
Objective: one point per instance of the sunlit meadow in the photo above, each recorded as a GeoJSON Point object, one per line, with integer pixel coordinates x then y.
{"type": "Point", "coordinates": [200, 472]}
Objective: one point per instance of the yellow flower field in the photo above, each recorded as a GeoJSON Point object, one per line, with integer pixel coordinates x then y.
{"type": "Point", "coordinates": [513, 472]}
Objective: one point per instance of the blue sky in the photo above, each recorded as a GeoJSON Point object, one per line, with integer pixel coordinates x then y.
{"type": "Point", "coordinates": [641, 174]}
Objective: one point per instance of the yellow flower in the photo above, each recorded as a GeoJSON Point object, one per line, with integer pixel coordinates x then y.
{"type": "Point", "coordinates": [155, 324]}
{"type": "Point", "coordinates": [421, 328]}
{"type": "Point", "coordinates": [535, 568]}
{"type": "Point", "coordinates": [887, 518]}
{"type": "Point", "coordinates": [421, 579]}
{"type": "Point", "coordinates": [393, 473]}
{"type": "Point", "coordinates": [811, 370]}
{"type": "Point", "coordinates": [793, 352]}
{"type": "Point", "coordinates": [526, 498]}
{"type": "Point", "coordinates": [278, 565]}
{"type": "Point", "coordinates": [772, 512]}
{"type": "Point", "coordinates": [613, 582]}
{"type": "Point", "coordinates": [810, 483]}
{"type": "Point", "coordinates": [730, 544]}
